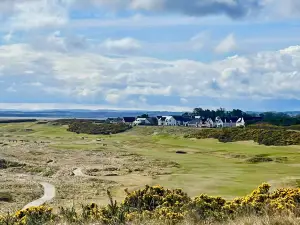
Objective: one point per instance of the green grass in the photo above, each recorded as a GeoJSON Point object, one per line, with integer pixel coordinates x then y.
{"type": "Point", "coordinates": [209, 167]}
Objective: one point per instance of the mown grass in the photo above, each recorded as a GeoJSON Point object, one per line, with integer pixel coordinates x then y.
{"type": "Point", "coordinates": [209, 166]}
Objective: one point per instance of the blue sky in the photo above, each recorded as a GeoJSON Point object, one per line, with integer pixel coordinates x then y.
{"type": "Point", "coordinates": [150, 54]}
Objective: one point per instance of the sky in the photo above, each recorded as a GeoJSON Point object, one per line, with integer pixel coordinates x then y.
{"type": "Point", "coordinates": [150, 54]}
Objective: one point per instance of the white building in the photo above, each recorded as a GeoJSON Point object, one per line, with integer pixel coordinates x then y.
{"type": "Point", "coordinates": [171, 121]}
{"type": "Point", "coordinates": [219, 122]}
{"type": "Point", "coordinates": [225, 122]}
{"type": "Point", "coordinates": [142, 121]}
{"type": "Point", "coordinates": [208, 123]}
{"type": "Point", "coordinates": [240, 122]}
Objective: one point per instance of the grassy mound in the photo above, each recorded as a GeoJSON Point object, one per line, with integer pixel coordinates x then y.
{"type": "Point", "coordinates": [294, 127]}
{"type": "Point", "coordinates": [81, 127]}
{"type": "Point", "coordinates": [4, 164]}
{"type": "Point", "coordinates": [276, 137]}
{"type": "Point", "coordinates": [259, 159]}
{"type": "Point", "coordinates": [70, 121]}
{"type": "Point", "coordinates": [167, 206]}
{"type": "Point", "coordinates": [5, 197]}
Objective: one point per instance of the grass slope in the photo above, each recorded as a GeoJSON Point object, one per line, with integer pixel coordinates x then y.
{"type": "Point", "coordinates": [208, 167]}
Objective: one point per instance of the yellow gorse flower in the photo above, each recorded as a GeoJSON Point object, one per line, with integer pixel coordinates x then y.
{"type": "Point", "coordinates": [171, 206]}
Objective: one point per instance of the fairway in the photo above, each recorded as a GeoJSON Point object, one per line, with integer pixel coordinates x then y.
{"type": "Point", "coordinates": [143, 155]}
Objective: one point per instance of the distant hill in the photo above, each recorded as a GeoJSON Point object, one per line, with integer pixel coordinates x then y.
{"type": "Point", "coordinates": [293, 113]}
{"type": "Point", "coordinates": [87, 114]}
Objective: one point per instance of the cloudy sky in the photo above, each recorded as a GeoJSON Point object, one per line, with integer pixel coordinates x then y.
{"type": "Point", "coordinates": [150, 54]}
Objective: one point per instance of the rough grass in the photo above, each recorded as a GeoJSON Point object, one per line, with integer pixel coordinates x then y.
{"type": "Point", "coordinates": [5, 197]}
{"type": "Point", "coordinates": [157, 205]}
{"type": "Point", "coordinates": [81, 127]}
{"type": "Point", "coordinates": [144, 155]}
{"type": "Point", "coordinates": [4, 164]}
{"type": "Point", "coordinates": [266, 136]}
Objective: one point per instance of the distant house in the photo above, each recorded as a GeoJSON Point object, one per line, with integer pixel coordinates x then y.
{"type": "Point", "coordinates": [114, 120]}
{"type": "Point", "coordinates": [240, 122]}
{"type": "Point", "coordinates": [225, 122]}
{"type": "Point", "coordinates": [161, 120]}
{"type": "Point", "coordinates": [170, 121]}
{"type": "Point", "coordinates": [142, 121]}
{"type": "Point", "coordinates": [196, 122]}
{"type": "Point", "coordinates": [219, 122]}
{"type": "Point", "coordinates": [206, 122]}
{"type": "Point", "coordinates": [173, 121]}
{"type": "Point", "coordinates": [181, 120]}
{"type": "Point", "coordinates": [153, 121]}
{"type": "Point", "coordinates": [149, 121]}
{"type": "Point", "coordinates": [128, 120]}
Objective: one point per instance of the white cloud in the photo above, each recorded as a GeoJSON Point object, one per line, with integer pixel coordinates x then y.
{"type": "Point", "coordinates": [36, 13]}
{"type": "Point", "coordinates": [47, 106]}
{"type": "Point", "coordinates": [148, 4]}
{"type": "Point", "coordinates": [124, 45]}
{"type": "Point", "coordinates": [198, 41]}
{"type": "Point", "coordinates": [8, 37]}
{"type": "Point", "coordinates": [33, 14]}
{"type": "Point", "coordinates": [143, 99]}
{"type": "Point", "coordinates": [11, 89]}
{"type": "Point", "coordinates": [227, 45]}
{"type": "Point", "coordinates": [184, 100]}
{"type": "Point", "coordinates": [113, 98]}
{"type": "Point", "coordinates": [55, 41]}
{"type": "Point", "coordinates": [116, 80]}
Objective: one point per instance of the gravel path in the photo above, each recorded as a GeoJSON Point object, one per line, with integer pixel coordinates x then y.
{"type": "Point", "coordinates": [78, 173]}
{"type": "Point", "coordinates": [49, 194]}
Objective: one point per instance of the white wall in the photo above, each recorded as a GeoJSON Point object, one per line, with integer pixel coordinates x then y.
{"type": "Point", "coordinates": [161, 122]}
{"type": "Point", "coordinates": [240, 123]}
{"type": "Point", "coordinates": [142, 121]}
{"type": "Point", "coordinates": [170, 121]}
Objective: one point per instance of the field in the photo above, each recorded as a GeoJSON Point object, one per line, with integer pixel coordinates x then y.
{"type": "Point", "coordinates": [83, 167]}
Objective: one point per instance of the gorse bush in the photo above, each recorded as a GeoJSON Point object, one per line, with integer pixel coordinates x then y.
{"type": "Point", "coordinates": [277, 137]}
{"type": "Point", "coordinates": [294, 127]}
{"type": "Point", "coordinates": [166, 206]}
{"type": "Point", "coordinates": [5, 197]}
{"type": "Point", "coordinates": [266, 126]}
{"type": "Point", "coordinates": [80, 127]}
{"type": "Point", "coordinates": [30, 216]}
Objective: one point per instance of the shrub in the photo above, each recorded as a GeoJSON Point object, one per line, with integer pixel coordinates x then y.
{"type": "Point", "coordinates": [277, 137]}
{"type": "Point", "coordinates": [34, 216]}
{"type": "Point", "coordinates": [5, 197]}
{"type": "Point", "coordinates": [4, 164]}
{"type": "Point", "coordinates": [259, 158]}
{"type": "Point", "coordinates": [91, 128]}
{"type": "Point", "coordinates": [168, 207]}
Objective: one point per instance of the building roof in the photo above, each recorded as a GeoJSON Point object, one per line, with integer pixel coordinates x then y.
{"type": "Point", "coordinates": [114, 119]}
{"type": "Point", "coordinates": [182, 118]}
{"type": "Point", "coordinates": [228, 119]}
{"type": "Point", "coordinates": [129, 119]}
{"type": "Point", "coordinates": [162, 118]}
{"type": "Point", "coordinates": [195, 121]}
{"type": "Point", "coordinates": [152, 120]}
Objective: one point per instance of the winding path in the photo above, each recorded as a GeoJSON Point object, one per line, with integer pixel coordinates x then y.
{"type": "Point", "coordinates": [49, 194]}
{"type": "Point", "coordinates": [78, 173]}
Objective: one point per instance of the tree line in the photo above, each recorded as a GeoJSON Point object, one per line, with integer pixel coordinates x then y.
{"type": "Point", "coordinates": [274, 118]}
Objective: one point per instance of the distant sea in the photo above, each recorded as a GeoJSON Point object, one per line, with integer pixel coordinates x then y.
{"type": "Point", "coordinates": [78, 114]}
{"type": "Point", "coordinates": [46, 118]}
